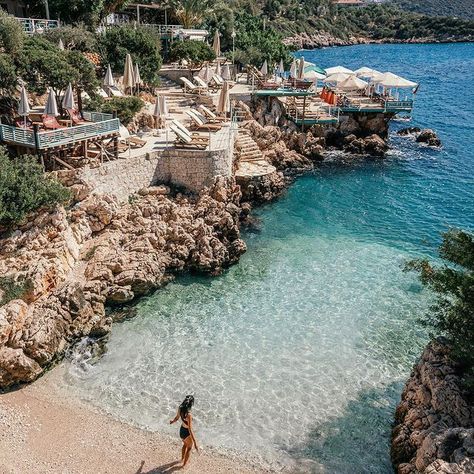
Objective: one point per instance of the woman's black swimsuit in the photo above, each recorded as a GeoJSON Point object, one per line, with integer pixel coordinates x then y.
{"type": "Point", "coordinates": [184, 430]}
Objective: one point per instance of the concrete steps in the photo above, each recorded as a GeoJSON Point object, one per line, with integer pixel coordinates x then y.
{"type": "Point", "coordinates": [248, 150]}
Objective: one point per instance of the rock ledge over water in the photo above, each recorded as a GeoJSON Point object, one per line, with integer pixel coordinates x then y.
{"type": "Point", "coordinates": [434, 430]}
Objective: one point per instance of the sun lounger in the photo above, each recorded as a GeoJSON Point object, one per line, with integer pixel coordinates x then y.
{"type": "Point", "coordinates": [209, 114]}
{"type": "Point", "coordinates": [188, 86]}
{"type": "Point", "coordinates": [196, 135]}
{"type": "Point", "coordinates": [217, 80]}
{"type": "Point", "coordinates": [130, 140]}
{"type": "Point", "coordinates": [200, 82]}
{"type": "Point", "coordinates": [23, 123]}
{"type": "Point", "coordinates": [50, 122]}
{"type": "Point", "coordinates": [115, 91]}
{"type": "Point", "coordinates": [102, 93]}
{"type": "Point", "coordinates": [76, 117]}
{"type": "Point", "coordinates": [185, 140]}
{"type": "Point", "coordinates": [200, 122]}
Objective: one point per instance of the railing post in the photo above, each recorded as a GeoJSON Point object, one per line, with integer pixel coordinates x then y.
{"type": "Point", "coordinates": [37, 141]}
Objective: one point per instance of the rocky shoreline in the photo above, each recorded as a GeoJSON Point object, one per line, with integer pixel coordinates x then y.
{"type": "Point", "coordinates": [325, 40]}
{"type": "Point", "coordinates": [434, 422]}
{"type": "Point", "coordinates": [67, 265]}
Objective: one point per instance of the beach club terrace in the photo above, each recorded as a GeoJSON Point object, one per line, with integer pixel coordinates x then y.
{"type": "Point", "coordinates": [312, 95]}
{"type": "Point", "coordinates": [96, 129]}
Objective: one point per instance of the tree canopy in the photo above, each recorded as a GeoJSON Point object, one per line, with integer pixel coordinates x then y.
{"type": "Point", "coordinates": [142, 44]}
{"type": "Point", "coordinates": [452, 314]}
{"type": "Point", "coordinates": [196, 52]}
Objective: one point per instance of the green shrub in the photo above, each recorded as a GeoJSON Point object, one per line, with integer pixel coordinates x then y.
{"type": "Point", "coordinates": [195, 52]}
{"type": "Point", "coordinates": [142, 44]}
{"type": "Point", "coordinates": [77, 38]}
{"type": "Point", "coordinates": [8, 79]}
{"type": "Point", "coordinates": [452, 315]}
{"type": "Point", "coordinates": [24, 188]}
{"type": "Point", "coordinates": [10, 289]}
{"type": "Point", "coordinates": [12, 35]}
{"type": "Point", "coordinates": [125, 107]}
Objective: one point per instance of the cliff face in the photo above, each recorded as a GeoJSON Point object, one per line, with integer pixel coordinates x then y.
{"type": "Point", "coordinates": [70, 264]}
{"type": "Point", "coordinates": [434, 430]}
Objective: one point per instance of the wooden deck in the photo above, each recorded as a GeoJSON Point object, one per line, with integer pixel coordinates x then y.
{"type": "Point", "coordinates": [99, 126]}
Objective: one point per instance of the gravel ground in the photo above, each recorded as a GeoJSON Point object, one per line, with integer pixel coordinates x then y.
{"type": "Point", "coordinates": [45, 431]}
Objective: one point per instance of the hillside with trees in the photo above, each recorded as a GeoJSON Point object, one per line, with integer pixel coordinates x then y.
{"type": "Point", "coordinates": [454, 8]}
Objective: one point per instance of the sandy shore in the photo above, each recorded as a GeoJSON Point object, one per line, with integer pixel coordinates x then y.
{"type": "Point", "coordinates": [44, 431]}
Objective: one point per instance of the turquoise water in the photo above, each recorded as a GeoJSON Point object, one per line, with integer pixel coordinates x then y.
{"type": "Point", "coordinates": [298, 354]}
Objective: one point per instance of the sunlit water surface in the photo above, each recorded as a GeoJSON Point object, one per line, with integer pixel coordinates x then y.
{"type": "Point", "coordinates": [298, 354]}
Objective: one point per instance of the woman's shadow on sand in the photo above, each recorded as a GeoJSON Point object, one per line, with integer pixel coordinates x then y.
{"type": "Point", "coordinates": [165, 468]}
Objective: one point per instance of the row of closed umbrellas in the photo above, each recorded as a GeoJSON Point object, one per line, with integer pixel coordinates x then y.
{"type": "Point", "coordinates": [207, 73]}
{"type": "Point", "coordinates": [131, 75]}
{"type": "Point", "coordinates": [51, 107]}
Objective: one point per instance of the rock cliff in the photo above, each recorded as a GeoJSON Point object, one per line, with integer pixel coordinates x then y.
{"type": "Point", "coordinates": [63, 267]}
{"type": "Point", "coordinates": [434, 430]}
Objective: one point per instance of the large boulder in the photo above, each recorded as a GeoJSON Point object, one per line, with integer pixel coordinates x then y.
{"type": "Point", "coordinates": [429, 137]}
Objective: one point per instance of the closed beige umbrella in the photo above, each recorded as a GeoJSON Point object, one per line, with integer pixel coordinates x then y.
{"type": "Point", "coordinates": [23, 106]}
{"type": "Point", "coordinates": [300, 73]}
{"type": "Point", "coordinates": [216, 44]}
{"type": "Point", "coordinates": [218, 68]}
{"type": "Point", "coordinates": [61, 44]}
{"type": "Point", "coordinates": [109, 78]}
{"type": "Point", "coordinates": [128, 74]}
{"type": "Point", "coordinates": [223, 106]}
{"type": "Point", "coordinates": [51, 107]}
{"type": "Point", "coordinates": [68, 99]}
{"type": "Point", "coordinates": [158, 113]}
{"type": "Point", "coordinates": [264, 68]}
{"type": "Point", "coordinates": [226, 75]}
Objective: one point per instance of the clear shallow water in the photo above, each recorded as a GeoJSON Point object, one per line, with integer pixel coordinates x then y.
{"type": "Point", "coordinates": [298, 354]}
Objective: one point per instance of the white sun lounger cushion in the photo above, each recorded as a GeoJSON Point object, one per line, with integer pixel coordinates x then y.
{"type": "Point", "coordinates": [200, 82]}
{"type": "Point", "coordinates": [207, 112]}
{"type": "Point", "coordinates": [187, 83]}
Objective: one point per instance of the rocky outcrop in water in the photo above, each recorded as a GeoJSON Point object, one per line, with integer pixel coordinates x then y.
{"type": "Point", "coordinates": [434, 431]}
{"type": "Point", "coordinates": [426, 136]}
{"type": "Point", "coordinates": [372, 145]}
{"type": "Point", "coordinates": [62, 268]}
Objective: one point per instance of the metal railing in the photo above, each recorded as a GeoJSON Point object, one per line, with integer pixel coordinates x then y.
{"type": "Point", "coordinates": [34, 25]}
{"type": "Point", "coordinates": [101, 124]}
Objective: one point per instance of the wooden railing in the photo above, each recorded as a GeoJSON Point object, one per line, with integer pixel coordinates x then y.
{"type": "Point", "coordinates": [101, 125]}
{"type": "Point", "coordinates": [34, 25]}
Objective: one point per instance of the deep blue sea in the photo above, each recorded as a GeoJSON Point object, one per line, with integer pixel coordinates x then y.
{"type": "Point", "coordinates": [297, 355]}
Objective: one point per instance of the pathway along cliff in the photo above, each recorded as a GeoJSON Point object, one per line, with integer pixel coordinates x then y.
{"type": "Point", "coordinates": [71, 263]}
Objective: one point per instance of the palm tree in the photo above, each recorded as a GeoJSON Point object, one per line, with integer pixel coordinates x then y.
{"type": "Point", "coordinates": [191, 13]}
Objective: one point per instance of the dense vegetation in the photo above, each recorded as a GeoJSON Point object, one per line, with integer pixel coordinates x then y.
{"type": "Point", "coordinates": [457, 8]}
{"type": "Point", "coordinates": [124, 107]}
{"type": "Point", "coordinates": [142, 44]}
{"type": "Point", "coordinates": [195, 52]}
{"type": "Point", "coordinates": [452, 315]}
{"type": "Point", "coordinates": [24, 188]}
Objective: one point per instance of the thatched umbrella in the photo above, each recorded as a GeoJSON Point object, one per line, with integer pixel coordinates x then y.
{"type": "Point", "coordinates": [128, 74]}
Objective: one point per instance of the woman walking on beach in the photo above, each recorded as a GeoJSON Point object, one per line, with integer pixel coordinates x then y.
{"type": "Point", "coordinates": [186, 430]}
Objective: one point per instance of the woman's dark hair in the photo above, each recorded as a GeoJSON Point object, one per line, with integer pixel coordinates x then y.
{"type": "Point", "coordinates": [187, 404]}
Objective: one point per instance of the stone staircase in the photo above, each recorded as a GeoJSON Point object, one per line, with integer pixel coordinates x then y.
{"type": "Point", "coordinates": [247, 148]}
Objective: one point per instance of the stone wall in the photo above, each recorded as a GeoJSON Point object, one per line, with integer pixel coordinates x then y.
{"type": "Point", "coordinates": [192, 169]}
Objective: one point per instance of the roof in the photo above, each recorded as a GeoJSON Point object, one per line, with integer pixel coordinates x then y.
{"type": "Point", "coordinates": [349, 2]}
